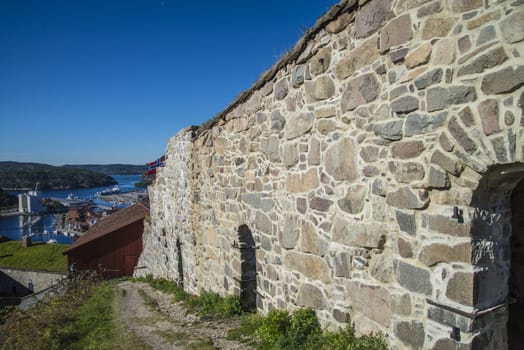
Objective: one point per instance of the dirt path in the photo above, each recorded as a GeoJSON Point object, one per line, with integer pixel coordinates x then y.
{"type": "Point", "coordinates": [164, 324]}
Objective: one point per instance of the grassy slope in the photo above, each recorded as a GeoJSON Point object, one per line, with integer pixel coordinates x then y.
{"type": "Point", "coordinates": [47, 257]}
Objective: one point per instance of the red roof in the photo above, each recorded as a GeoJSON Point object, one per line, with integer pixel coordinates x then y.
{"type": "Point", "coordinates": [111, 223]}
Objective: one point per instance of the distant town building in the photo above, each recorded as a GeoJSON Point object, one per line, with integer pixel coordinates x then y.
{"type": "Point", "coordinates": [30, 202]}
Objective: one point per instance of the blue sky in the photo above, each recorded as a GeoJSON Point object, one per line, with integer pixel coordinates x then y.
{"type": "Point", "coordinates": [109, 81]}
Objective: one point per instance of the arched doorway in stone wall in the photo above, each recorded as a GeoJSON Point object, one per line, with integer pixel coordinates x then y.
{"type": "Point", "coordinates": [497, 232]}
{"type": "Point", "coordinates": [248, 267]}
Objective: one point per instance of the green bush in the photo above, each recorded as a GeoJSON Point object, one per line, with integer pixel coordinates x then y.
{"type": "Point", "coordinates": [273, 329]}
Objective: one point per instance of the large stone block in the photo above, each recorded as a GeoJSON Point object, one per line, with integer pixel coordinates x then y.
{"type": "Point", "coordinates": [340, 160]}
{"type": "Point", "coordinates": [413, 278]}
{"type": "Point", "coordinates": [271, 148]}
{"type": "Point", "coordinates": [354, 200]}
{"type": "Point", "coordinates": [418, 56]}
{"type": "Point", "coordinates": [371, 16]}
{"type": "Point", "coordinates": [290, 154]}
{"type": "Point", "coordinates": [411, 333]}
{"type": "Point", "coordinates": [373, 301]}
{"type": "Point", "coordinates": [298, 124]}
{"type": "Point", "coordinates": [405, 104]}
{"type": "Point", "coordinates": [512, 27]}
{"type": "Point", "coordinates": [445, 225]}
{"type": "Point", "coordinates": [390, 130]}
{"type": "Point", "coordinates": [290, 233]}
{"type": "Point", "coordinates": [460, 288]}
{"type": "Point", "coordinates": [381, 267]}
{"type": "Point", "coordinates": [503, 81]}
{"type": "Point", "coordinates": [408, 149]}
{"type": "Point", "coordinates": [359, 91]}
{"type": "Point", "coordinates": [320, 62]}
{"type": "Point", "coordinates": [320, 89]}
{"type": "Point", "coordinates": [435, 253]}
{"type": "Point", "coordinates": [447, 163]}
{"type": "Point", "coordinates": [396, 32]}
{"type": "Point", "coordinates": [310, 296]}
{"type": "Point", "coordinates": [320, 204]}
{"type": "Point", "coordinates": [358, 234]}
{"type": "Point", "coordinates": [406, 172]}
{"type": "Point", "coordinates": [417, 123]}
{"type": "Point", "coordinates": [488, 60]}
{"type": "Point", "coordinates": [406, 222]}
{"type": "Point", "coordinates": [343, 264]}
{"type": "Point", "coordinates": [281, 89]}
{"type": "Point", "coordinates": [459, 134]}
{"type": "Point", "coordinates": [440, 98]}
{"type": "Point", "coordinates": [406, 198]}
{"type": "Point", "coordinates": [311, 266]}
{"type": "Point", "coordinates": [302, 182]}
{"type": "Point", "coordinates": [437, 27]}
{"type": "Point", "coordinates": [362, 56]}
{"type": "Point", "coordinates": [465, 5]}
{"type": "Point", "coordinates": [489, 116]}
{"type": "Point", "coordinates": [310, 241]}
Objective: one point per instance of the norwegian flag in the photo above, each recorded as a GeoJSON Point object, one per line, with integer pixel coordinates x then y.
{"type": "Point", "coordinates": [151, 166]}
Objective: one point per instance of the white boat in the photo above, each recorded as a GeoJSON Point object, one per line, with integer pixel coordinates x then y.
{"type": "Point", "coordinates": [52, 241]}
{"type": "Point", "coordinates": [114, 190]}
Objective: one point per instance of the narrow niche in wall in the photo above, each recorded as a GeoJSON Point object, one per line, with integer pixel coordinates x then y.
{"type": "Point", "coordinates": [180, 263]}
{"type": "Point", "coordinates": [248, 263]}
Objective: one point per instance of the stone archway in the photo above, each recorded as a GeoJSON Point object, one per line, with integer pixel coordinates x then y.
{"type": "Point", "coordinates": [497, 234]}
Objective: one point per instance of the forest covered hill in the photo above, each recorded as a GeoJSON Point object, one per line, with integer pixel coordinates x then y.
{"type": "Point", "coordinates": [18, 175]}
{"type": "Point", "coordinates": [111, 169]}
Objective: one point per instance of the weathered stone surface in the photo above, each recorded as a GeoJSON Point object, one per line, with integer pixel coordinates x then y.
{"type": "Point", "coordinates": [430, 9]}
{"type": "Point", "coordinates": [438, 178]}
{"type": "Point", "coordinates": [489, 116]}
{"type": "Point", "coordinates": [309, 265]}
{"type": "Point", "coordinates": [270, 147]}
{"type": "Point", "coordinates": [460, 288]}
{"type": "Point", "coordinates": [310, 241]}
{"type": "Point", "coordinates": [277, 121]}
{"type": "Point", "coordinates": [343, 264]}
{"type": "Point", "coordinates": [427, 79]}
{"type": "Point", "coordinates": [254, 103]}
{"type": "Point", "coordinates": [381, 267]}
{"type": "Point", "coordinates": [413, 278]}
{"type": "Point", "coordinates": [398, 55]}
{"type": "Point", "coordinates": [404, 5]}
{"type": "Point", "coordinates": [446, 143]}
{"type": "Point", "coordinates": [301, 205]}
{"type": "Point", "coordinates": [512, 27]}
{"type": "Point", "coordinates": [326, 126]}
{"type": "Point", "coordinates": [359, 91]}
{"type": "Point", "coordinates": [298, 124]}
{"type": "Point", "coordinates": [465, 5]}
{"type": "Point", "coordinates": [444, 52]}
{"type": "Point", "coordinates": [440, 98]}
{"type": "Point", "coordinates": [281, 89]}
{"type": "Point", "coordinates": [486, 34]}
{"type": "Point", "coordinates": [461, 136]}
{"type": "Point", "coordinates": [417, 124]}
{"type": "Point", "coordinates": [354, 200]}
{"type": "Point", "coordinates": [371, 16]}
{"type": "Point", "coordinates": [404, 248]}
{"type": "Point", "coordinates": [263, 223]}
{"type": "Point", "coordinates": [450, 344]}
{"type": "Point", "coordinates": [313, 156]}
{"type": "Point", "coordinates": [340, 160]}
{"type": "Point", "coordinates": [220, 145]}
{"type": "Point", "coordinates": [503, 81]}
{"type": "Point", "coordinates": [338, 24]}
{"type": "Point", "coordinates": [445, 225]}
{"type": "Point", "coordinates": [391, 130]}
{"type": "Point", "coordinates": [326, 112]}
{"type": "Point", "coordinates": [437, 27]}
{"type": "Point", "coordinates": [396, 32]}
{"type": "Point", "coordinates": [302, 182]}
{"type": "Point", "coordinates": [490, 59]}
{"type": "Point", "coordinates": [369, 153]}
{"type": "Point", "coordinates": [466, 115]}
{"type": "Point", "coordinates": [358, 234]}
{"type": "Point", "coordinates": [310, 296]}
{"type": "Point", "coordinates": [446, 163]}
{"type": "Point", "coordinates": [290, 155]}
{"type": "Point", "coordinates": [406, 172]}
{"type": "Point", "coordinates": [320, 89]}
{"type": "Point", "coordinates": [298, 76]}
{"type": "Point", "coordinates": [252, 199]}
{"type": "Point", "coordinates": [341, 316]}
{"type": "Point", "coordinates": [405, 104]}
{"type": "Point", "coordinates": [321, 61]}
{"type": "Point", "coordinates": [436, 253]}
{"type": "Point", "coordinates": [362, 56]}
{"type": "Point", "coordinates": [406, 222]}
{"type": "Point", "coordinates": [320, 204]}
{"type": "Point", "coordinates": [418, 56]}
{"type": "Point", "coordinates": [290, 233]}
{"type": "Point", "coordinates": [372, 301]}
{"type": "Point", "coordinates": [485, 18]}
{"type": "Point", "coordinates": [407, 149]}
{"type": "Point", "coordinates": [411, 333]}
{"type": "Point", "coordinates": [405, 198]}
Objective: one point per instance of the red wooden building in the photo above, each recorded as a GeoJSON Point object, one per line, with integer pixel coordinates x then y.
{"type": "Point", "coordinates": [112, 245]}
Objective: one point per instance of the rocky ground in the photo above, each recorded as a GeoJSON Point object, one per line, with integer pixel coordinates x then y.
{"type": "Point", "coordinates": [164, 324]}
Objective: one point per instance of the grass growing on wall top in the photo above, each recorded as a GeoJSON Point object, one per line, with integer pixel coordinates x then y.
{"type": "Point", "coordinates": [46, 257]}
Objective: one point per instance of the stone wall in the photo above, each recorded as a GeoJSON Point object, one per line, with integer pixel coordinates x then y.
{"type": "Point", "coordinates": [373, 165]}
{"type": "Point", "coordinates": [23, 282]}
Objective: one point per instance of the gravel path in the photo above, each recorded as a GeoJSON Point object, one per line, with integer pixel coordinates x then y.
{"type": "Point", "coordinates": [164, 324]}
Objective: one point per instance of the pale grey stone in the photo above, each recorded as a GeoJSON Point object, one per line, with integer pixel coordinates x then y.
{"type": "Point", "coordinates": [440, 98]}
{"type": "Point", "coordinates": [270, 147]}
{"type": "Point", "coordinates": [298, 76]}
{"type": "Point", "coordinates": [427, 79]}
{"type": "Point", "coordinates": [512, 27]}
{"type": "Point", "coordinates": [277, 121]}
{"type": "Point", "coordinates": [438, 178]}
{"type": "Point", "coordinates": [447, 163]}
{"type": "Point", "coordinates": [289, 235]}
{"type": "Point", "coordinates": [354, 200]}
{"type": "Point", "coordinates": [290, 154]}
{"type": "Point", "coordinates": [371, 16]}
{"type": "Point", "coordinates": [503, 81]}
{"type": "Point", "coordinates": [366, 235]}
{"type": "Point", "coordinates": [406, 222]}
{"type": "Point", "coordinates": [391, 130]}
{"type": "Point", "coordinates": [411, 333]}
{"type": "Point", "coordinates": [310, 296]}
{"type": "Point", "coordinates": [406, 172]}
{"type": "Point", "coordinates": [343, 264]}
{"type": "Point", "coordinates": [405, 104]}
{"type": "Point", "coordinates": [281, 89]}
{"type": "Point", "coordinates": [405, 198]}
{"type": "Point", "coordinates": [340, 160]}
{"type": "Point", "coordinates": [490, 59]}
{"type": "Point", "coordinates": [413, 278]}
{"type": "Point", "coordinates": [298, 124]}
{"type": "Point", "coordinates": [417, 124]}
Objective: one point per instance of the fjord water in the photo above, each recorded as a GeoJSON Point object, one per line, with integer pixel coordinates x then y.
{"type": "Point", "coordinates": [14, 227]}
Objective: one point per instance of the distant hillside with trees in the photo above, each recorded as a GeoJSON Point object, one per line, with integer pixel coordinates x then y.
{"type": "Point", "coordinates": [28, 175]}
{"type": "Point", "coordinates": [111, 169]}
{"type": "Point", "coordinates": [7, 200]}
